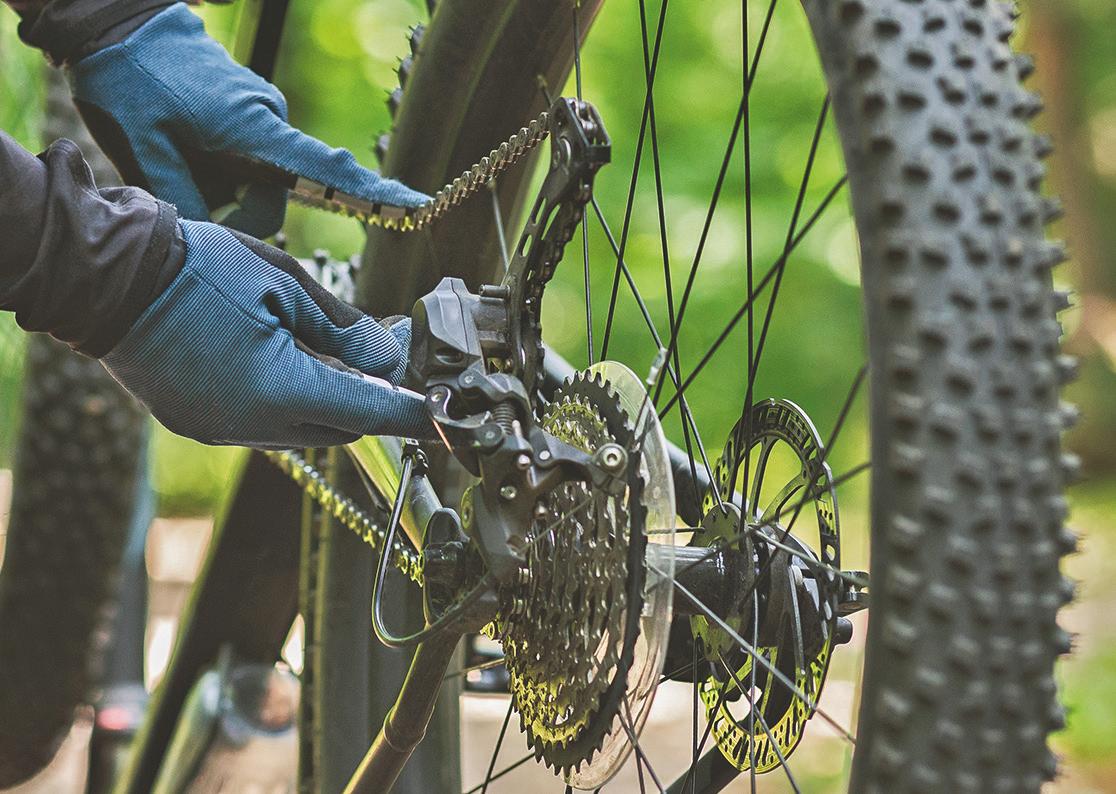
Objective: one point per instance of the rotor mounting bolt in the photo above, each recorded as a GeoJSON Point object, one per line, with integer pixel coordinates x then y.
{"type": "Point", "coordinates": [523, 461]}
{"type": "Point", "coordinates": [544, 455]}
{"type": "Point", "coordinates": [508, 492]}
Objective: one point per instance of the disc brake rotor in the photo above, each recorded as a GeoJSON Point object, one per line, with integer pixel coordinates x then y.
{"type": "Point", "coordinates": [791, 618]}
{"type": "Point", "coordinates": [585, 630]}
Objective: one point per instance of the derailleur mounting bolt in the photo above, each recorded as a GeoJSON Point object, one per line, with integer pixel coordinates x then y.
{"type": "Point", "coordinates": [508, 492]}
{"type": "Point", "coordinates": [612, 457]}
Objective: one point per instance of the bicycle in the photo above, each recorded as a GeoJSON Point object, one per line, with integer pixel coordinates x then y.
{"type": "Point", "coordinates": [966, 518]}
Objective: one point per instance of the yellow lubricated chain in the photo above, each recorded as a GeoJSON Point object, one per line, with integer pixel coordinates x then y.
{"type": "Point", "coordinates": [345, 510]}
{"type": "Point", "coordinates": [503, 157]}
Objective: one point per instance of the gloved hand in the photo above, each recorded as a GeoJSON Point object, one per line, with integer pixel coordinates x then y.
{"type": "Point", "coordinates": [169, 107]}
{"type": "Point", "coordinates": [245, 348]}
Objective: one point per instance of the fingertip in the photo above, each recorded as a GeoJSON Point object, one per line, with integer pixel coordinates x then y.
{"type": "Point", "coordinates": [368, 405]}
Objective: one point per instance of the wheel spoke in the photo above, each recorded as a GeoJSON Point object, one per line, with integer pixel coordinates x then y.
{"type": "Point", "coordinates": [766, 729]}
{"type": "Point", "coordinates": [719, 184]}
{"type": "Point", "coordinates": [629, 728]}
{"type": "Point", "coordinates": [752, 688]}
{"type": "Point", "coordinates": [688, 424]}
{"type": "Point", "coordinates": [779, 264]}
{"type": "Point", "coordinates": [792, 228]}
{"type": "Point", "coordinates": [689, 779]}
{"type": "Point", "coordinates": [694, 734]}
{"type": "Point", "coordinates": [499, 744]}
{"type": "Point", "coordinates": [748, 228]}
{"type": "Point", "coordinates": [490, 664]}
{"type": "Point", "coordinates": [584, 220]}
{"type": "Point", "coordinates": [663, 242]}
{"type": "Point", "coordinates": [502, 772]}
{"type": "Point", "coordinates": [635, 173]}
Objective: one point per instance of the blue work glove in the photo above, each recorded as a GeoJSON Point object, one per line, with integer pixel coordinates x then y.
{"type": "Point", "coordinates": [181, 119]}
{"type": "Point", "coordinates": [245, 348]}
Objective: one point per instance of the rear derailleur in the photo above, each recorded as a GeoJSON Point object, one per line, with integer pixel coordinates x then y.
{"type": "Point", "coordinates": [478, 359]}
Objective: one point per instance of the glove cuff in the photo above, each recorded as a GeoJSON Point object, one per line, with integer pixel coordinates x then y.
{"type": "Point", "coordinates": [67, 32]}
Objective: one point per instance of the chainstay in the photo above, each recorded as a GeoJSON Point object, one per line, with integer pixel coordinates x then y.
{"type": "Point", "coordinates": [408, 219]}
{"type": "Point", "coordinates": [346, 512]}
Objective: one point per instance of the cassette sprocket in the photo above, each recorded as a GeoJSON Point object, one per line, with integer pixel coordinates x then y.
{"type": "Point", "coordinates": [575, 628]}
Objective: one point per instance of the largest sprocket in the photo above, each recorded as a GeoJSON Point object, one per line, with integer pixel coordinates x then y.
{"type": "Point", "coordinates": [571, 628]}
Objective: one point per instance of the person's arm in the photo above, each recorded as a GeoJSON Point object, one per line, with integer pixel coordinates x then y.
{"type": "Point", "coordinates": [67, 30]}
{"type": "Point", "coordinates": [180, 118]}
{"type": "Point", "coordinates": [75, 261]}
{"type": "Point", "coordinates": [226, 339]}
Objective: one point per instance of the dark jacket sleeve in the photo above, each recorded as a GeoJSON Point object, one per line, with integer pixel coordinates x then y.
{"type": "Point", "coordinates": [67, 30]}
{"type": "Point", "coordinates": [79, 263]}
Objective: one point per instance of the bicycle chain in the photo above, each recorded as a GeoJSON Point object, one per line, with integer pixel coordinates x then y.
{"type": "Point", "coordinates": [346, 512]}
{"type": "Point", "coordinates": [408, 219]}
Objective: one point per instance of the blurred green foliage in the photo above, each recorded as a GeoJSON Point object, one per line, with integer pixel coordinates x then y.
{"type": "Point", "coordinates": [338, 65]}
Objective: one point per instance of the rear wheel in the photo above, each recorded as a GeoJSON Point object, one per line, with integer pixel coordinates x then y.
{"type": "Point", "coordinates": [920, 120]}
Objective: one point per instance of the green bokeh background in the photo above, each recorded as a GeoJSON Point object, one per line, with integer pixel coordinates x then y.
{"type": "Point", "coordinates": [339, 62]}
